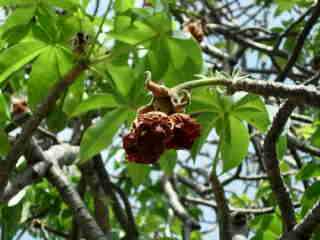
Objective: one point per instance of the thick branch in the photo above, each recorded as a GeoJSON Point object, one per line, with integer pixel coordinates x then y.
{"type": "Point", "coordinates": [88, 225]}
{"type": "Point", "coordinates": [307, 226]}
{"type": "Point", "coordinates": [272, 166]}
{"type": "Point", "coordinates": [31, 125]}
{"type": "Point", "coordinates": [71, 197]}
{"type": "Point", "coordinates": [223, 210]}
{"type": "Point", "coordinates": [298, 93]}
{"type": "Point", "coordinates": [63, 154]}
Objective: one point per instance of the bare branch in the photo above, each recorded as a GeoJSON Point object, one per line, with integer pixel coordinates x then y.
{"type": "Point", "coordinates": [190, 224]}
{"type": "Point", "coordinates": [32, 123]}
{"type": "Point", "coordinates": [271, 164]}
{"type": "Point", "coordinates": [300, 42]}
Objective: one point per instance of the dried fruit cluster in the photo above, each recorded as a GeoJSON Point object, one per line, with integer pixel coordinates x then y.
{"type": "Point", "coordinates": [154, 132]}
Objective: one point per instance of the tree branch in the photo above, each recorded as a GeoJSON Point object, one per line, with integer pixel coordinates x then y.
{"type": "Point", "coordinates": [189, 224]}
{"type": "Point", "coordinates": [57, 178]}
{"type": "Point", "coordinates": [297, 93]}
{"type": "Point", "coordinates": [33, 122]}
{"type": "Point", "coordinates": [126, 222]}
{"type": "Point", "coordinates": [63, 154]}
{"type": "Point", "coordinates": [271, 164]}
{"type": "Point", "coordinates": [300, 42]}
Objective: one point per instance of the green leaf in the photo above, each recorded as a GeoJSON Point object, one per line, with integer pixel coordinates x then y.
{"type": "Point", "coordinates": [186, 61]}
{"type": "Point", "coordinates": [309, 170]}
{"type": "Point", "coordinates": [123, 78]}
{"type": "Point", "coordinates": [43, 76]}
{"type": "Point", "coordinates": [310, 197]}
{"type": "Point", "coordinates": [100, 135]}
{"type": "Point", "coordinates": [121, 23]}
{"type": "Point", "coordinates": [206, 100]}
{"type": "Point", "coordinates": [267, 226]}
{"type": "Point", "coordinates": [4, 143]}
{"type": "Point", "coordinates": [95, 102]}
{"type": "Point", "coordinates": [252, 109]}
{"type": "Point", "coordinates": [137, 33]}
{"type": "Point", "coordinates": [57, 119]}
{"type": "Point", "coordinates": [14, 2]}
{"type": "Point", "coordinates": [207, 122]}
{"type": "Point", "coordinates": [21, 16]}
{"type": "Point", "coordinates": [4, 110]}
{"type": "Point", "coordinates": [285, 5]}
{"type": "Point", "coordinates": [177, 52]}
{"type": "Point", "coordinates": [168, 161]}
{"type": "Point", "coordinates": [65, 4]}
{"type": "Point", "coordinates": [74, 96]}
{"type": "Point", "coordinates": [10, 226]}
{"type": "Point", "coordinates": [281, 146]}
{"type": "Point", "coordinates": [315, 138]}
{"type": "Point", "coordinates": [15, 57]}
{"type": "Point", "coordinates": [123, 5]}
{"type": "Point", "coordinates": [138, 172]}
{"type": "Point", "coordinates": [234, 142]}
{"type": "Point", "coordinates": [48, 68]}
{"type": "Point", "coordinates": [158, 58]}
{"type": "Point", "coordinates": [160, 22]}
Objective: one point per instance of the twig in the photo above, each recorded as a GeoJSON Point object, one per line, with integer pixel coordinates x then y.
{"type": "Point", "coordinates": [190, 224]}
{"type": "Point", "coordinates": [129, 227]}
{"type": "Point", "coordinates": [300, 42]}
{"type": "Point", "coordinates": [302, 146]}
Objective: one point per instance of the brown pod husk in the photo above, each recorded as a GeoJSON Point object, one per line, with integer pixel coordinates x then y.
{"type": "Point", "coordinates": [148, 137]}
{"type": "Point", "coordinates": [186, 130]}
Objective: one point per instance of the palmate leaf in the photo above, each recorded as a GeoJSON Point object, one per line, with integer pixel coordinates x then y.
{"type": "Point", "coordinates": [48, 68]}
{"type": "Point", "coordinates": [252, 109]}
{"type": "Point", "coordinates": [123, 78]}
{"type": "Point", "coordinates": [234, 140]}
{"type": "Point", "coordinates": [65, 4]}
{"type": "Point", "coordinates": [185, 60]}
{"type": "Point", "coordinates": [123, 5]}
{"type": "Point", "coordinates": [13, 2]}
{"type": "Point", "coordinates": [207, 121]}
{"type": "Point", "coordinates": [100, 135]}
{"type": "Point", "coordinates": [15, 57]}
{"type": "Point", "coordinates": [4, 110]}
{"type": "Point", "coordinates": [158, 58]}
{"type": "Point", "coordinates": [93, 102]}
{"type": "Point", "coordinates": [137, 33]}
{"type": "Point", "coordinates": [138, 172]}
{"type": "Point", "coordinates": [21, 16]}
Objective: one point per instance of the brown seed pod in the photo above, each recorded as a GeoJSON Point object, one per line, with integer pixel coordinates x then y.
{"type": "Point", "coordinates": [185, 131]}
{"type": "Point", "coordinates": [195, 29]}
{"type": "Point", "coordinates": [19, 105]}
{"type": "Point", "coordinates": [148, 138]}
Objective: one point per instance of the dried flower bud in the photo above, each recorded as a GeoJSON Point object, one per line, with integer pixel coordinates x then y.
{"type": "Point", "coordinates": [19, 105]}
{"type": "Point", "coordinates": [195, 29]}
{"type": "Point", "coordinates": [185, 131]}
{"type": "Point", "coordinates": [148, 138]}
